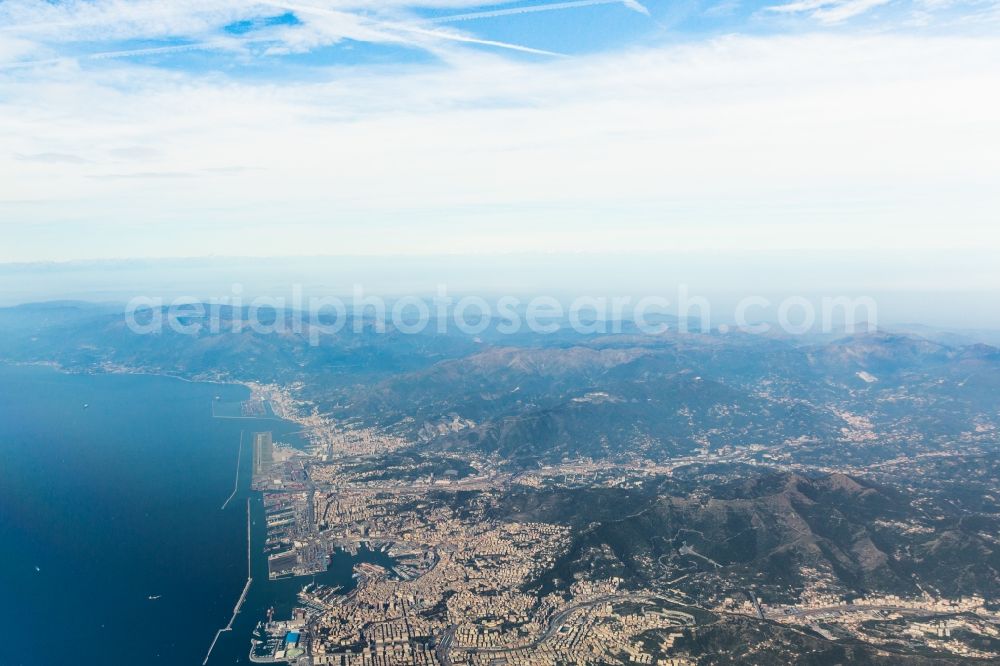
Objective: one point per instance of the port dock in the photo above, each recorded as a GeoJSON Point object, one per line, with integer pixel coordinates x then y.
{"type": "Point", "coordinates": [243, 595]}
{"type": "Point", "coordinates": [236, 485]}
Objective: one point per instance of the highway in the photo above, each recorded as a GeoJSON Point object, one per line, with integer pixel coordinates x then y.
{"type": "Point", "coordinates": [444, 646]}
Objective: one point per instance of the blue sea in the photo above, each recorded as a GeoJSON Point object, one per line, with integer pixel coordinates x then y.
{"type": "Point", "coordinates": [113, 545]}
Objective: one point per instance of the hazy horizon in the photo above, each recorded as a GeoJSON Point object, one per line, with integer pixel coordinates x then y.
{"type": "Point", "coordinates": [905, 291]}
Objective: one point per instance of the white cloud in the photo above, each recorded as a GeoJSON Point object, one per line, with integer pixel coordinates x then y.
{"type": "Point", "coordinates": [116, 19]}
{"type": "Point", "coordinates": [29, 24]}
{"type": "Point", "coordinates": [811, 141]}
{"type": "Point", "coordinates": [815, 141]}
{"type": "Point", "coordinates": [51, 158]}
{"type": "Point", "coordinates": [830, 11]}
{"type": "Point", "coordinates": [845, 10]}
{"type": "Point", "coordinates": [802, 6]}
{"type": "Point", "coordinates": [942, 15]}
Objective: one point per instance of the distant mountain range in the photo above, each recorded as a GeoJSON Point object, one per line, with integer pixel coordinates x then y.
{"type": "Point", "coordinates": [532, 398]}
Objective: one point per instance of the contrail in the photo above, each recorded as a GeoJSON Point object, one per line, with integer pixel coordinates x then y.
{"type": "Point", "coordinates": [636, 6]}
{"type": "Point", "coordinates": [178, 48]}
{"type": "Point", "coordinates": [129, 53]}
{"type": "Point", "coordinates": [401, 27]}
{"type": "Point", "coordinates": [406, 27]}
{"type": "Point", "coordinates": [470, 40]}
{"type": "Point", "coordinates": [553, 6]}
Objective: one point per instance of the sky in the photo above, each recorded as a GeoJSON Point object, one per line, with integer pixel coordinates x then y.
{"type": "Point", "coordinates": [197, 128]}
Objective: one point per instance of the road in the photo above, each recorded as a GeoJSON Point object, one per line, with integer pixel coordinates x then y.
{"type": "Point", "coordinates": [444, 647]}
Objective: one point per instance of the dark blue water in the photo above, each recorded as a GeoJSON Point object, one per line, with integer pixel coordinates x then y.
{"type": "Point", "coordinates": [103, 507]}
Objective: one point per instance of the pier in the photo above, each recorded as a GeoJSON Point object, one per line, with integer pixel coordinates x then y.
{"type": "Point", "coordinates": [246, 588]}
{"type": "Point", "coordinates": [236, 485]}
